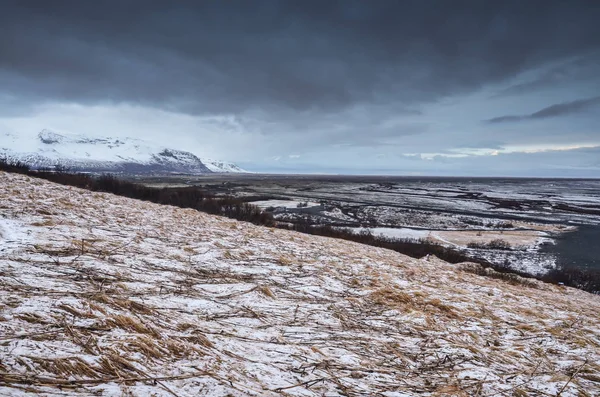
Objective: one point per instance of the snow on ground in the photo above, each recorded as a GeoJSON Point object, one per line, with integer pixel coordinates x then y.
{"type": "Point", "coordinates": [524, 244]}
{"type": "Point", "coordinates": [337, 214]}
{"type": "Point", "coordinates": [462, 238]}
{"type": "Point", "coordinates": [103, 295]}
{"type": "Point", "coordinates": [284, 204]}
{"type": "Point", "coordinates": [515, 238]}
{"type": "Point", "coordinates": [400, 233]}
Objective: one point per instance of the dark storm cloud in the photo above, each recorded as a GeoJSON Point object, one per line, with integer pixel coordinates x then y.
{"type": "Point", "coordinates": [374, 135]}
{"type": "Point", "coordinates": [580, 69]}
{"type": "Point", "coordinates": [560, 109]}
{"type": "Point", "coordinates": [319, 56]}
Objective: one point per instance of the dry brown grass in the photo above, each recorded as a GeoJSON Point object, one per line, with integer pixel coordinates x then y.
{"type": "Point", "coordinates": [263, 289]}
{"type": "Point", "coordinates": [135, 307]}
{"type": "Point", "coordinates": [284, 261]}
{"type": "Point", "coordinates": [129, 323]}
{"type": "Point", "coordinates": [389, 296]}
{"type": "Point", "coordinates": [66, 367]}
{"type": "Point", "coordinates": [198, 339]}
{"type": "Point", "coordinates": [32, 318]}
{"type": "Point", "coordinates": [182, 348]}
{"type": "Point", "coordinates": [165, 349]}
{"type": "Point", "coordinates": [185, 326]}
{"type": "Point", "coordinates": [450, 391]}
{"type": "Point", "coordinates": [511, 278]}
{"type": "Point", "coordinates": [189, 250]}
{"type": "Point", "coordinates": [449, 310]}
{"type": "Point", "coordinates": [119, 302]}
{"type": "Point", "coordinates": [229, 255]}
{"type": "Point", "coordinates": [144, 345]}
{"type": "Point", "coordinates": [45, 222]}
{"type": "Point", "coordinates": [113, 364]}
{"type": "Point", "coordinates": [75, 312]}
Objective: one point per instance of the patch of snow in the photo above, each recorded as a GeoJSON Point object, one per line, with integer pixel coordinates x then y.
{"type": "Point", "coordinates": [13, 232]}
{"type": "Point", "coordinates": [399, 233]}
{"type": "Point", "coordinates": [284, 204]}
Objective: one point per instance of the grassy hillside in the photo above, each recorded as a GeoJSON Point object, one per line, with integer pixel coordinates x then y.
{"type": "Point", "coordinates": [106, 295]}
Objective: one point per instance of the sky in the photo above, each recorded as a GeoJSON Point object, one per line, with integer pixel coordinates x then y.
{"type": "Point", "coordinates": [424, 87]}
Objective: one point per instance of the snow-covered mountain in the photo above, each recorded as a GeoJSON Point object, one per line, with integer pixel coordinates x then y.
{"type": "Point", "coordinates": [221, 166]}
{"type": "Point", "coordinates": [121, 155]}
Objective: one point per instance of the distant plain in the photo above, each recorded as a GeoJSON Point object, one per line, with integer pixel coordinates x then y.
{"type": "Point", "coordinates": [531, 225]}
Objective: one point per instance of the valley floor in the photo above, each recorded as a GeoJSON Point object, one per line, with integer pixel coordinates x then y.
{"type": "Point", "coordinates": [103, 295]}
{"type": "Point", "coordinates": [542, 224]}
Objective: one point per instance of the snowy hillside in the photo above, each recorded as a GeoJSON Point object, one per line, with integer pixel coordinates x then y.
{"type": "Point", "coordinates": [103, 295]}
{"type": "Point", "coordinates": [221, 166]}
{"type": "Point", "coordinates": [82, 153]}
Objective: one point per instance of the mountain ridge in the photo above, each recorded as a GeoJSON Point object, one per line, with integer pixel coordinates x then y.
{"type": "Point", "coordinates": [125, 155]}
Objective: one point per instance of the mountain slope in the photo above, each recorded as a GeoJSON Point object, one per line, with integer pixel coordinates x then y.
{"type": "Point", "coordinates": [122, 155]}
{"type": "Point", "coordinates": [222, 166]}
{"type": "Point", "coordinates": [104, 295]}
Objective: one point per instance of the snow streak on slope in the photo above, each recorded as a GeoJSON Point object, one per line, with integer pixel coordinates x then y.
{"type": "Point", "coordinates": [79, 152]}
{"type": "Point", "coordinates": [102, 295]}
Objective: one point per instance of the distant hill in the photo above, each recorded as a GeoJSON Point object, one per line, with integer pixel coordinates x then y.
{"type": "Point", "coordinates": [105, 154]}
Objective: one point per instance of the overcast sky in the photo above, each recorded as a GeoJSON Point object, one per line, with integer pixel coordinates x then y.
{"type": "Point", "coordinates": [390, 87]}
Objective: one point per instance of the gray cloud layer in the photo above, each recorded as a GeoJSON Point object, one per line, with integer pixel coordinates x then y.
{"type": "Point", "coordinates": [559, 109]}
{"type": "Point", "coordinates": [201, 57]}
